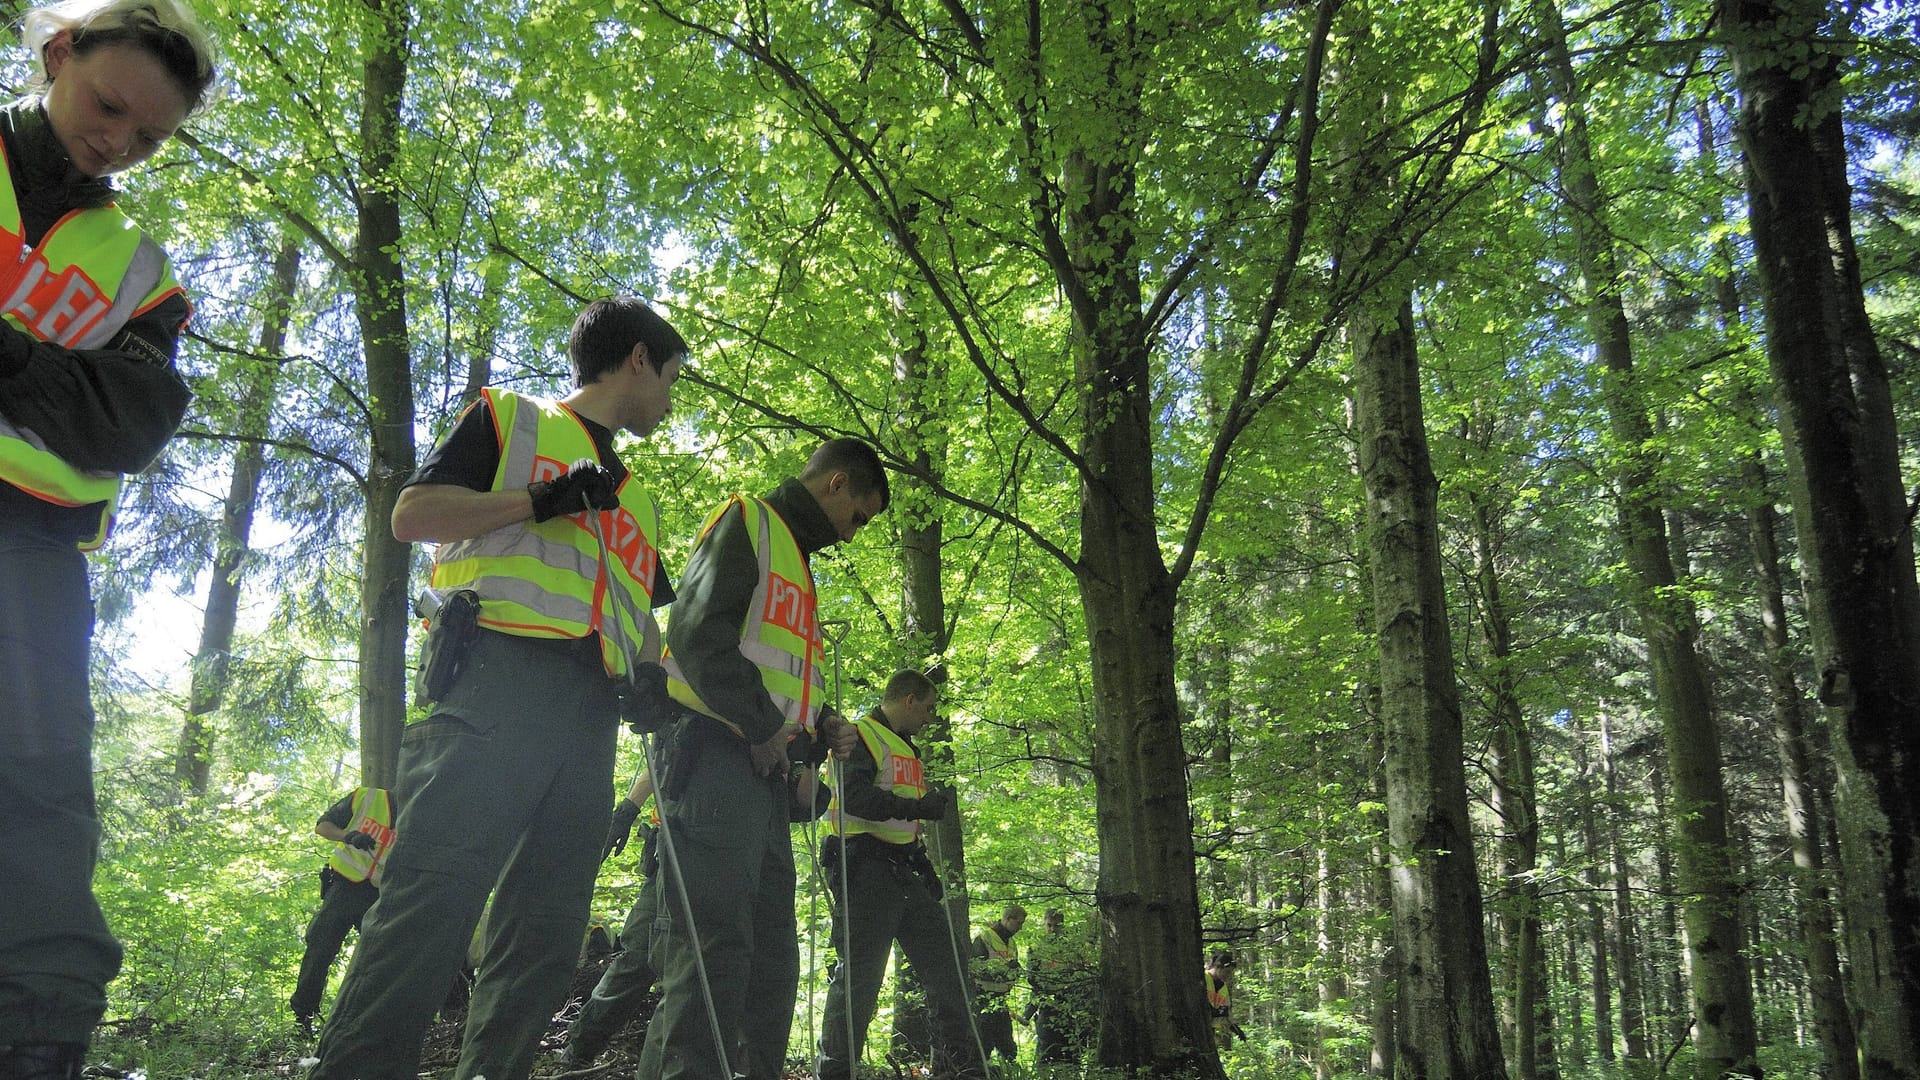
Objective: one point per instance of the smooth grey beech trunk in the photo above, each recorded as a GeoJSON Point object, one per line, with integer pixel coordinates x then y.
{"type": "Point", "coordinates": [1447, 1028]}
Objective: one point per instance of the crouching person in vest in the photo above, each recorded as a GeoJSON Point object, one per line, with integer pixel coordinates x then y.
{"type": "Point", "coordinates": [505, 780]}
{"type": "Point", "coordinates": [885, 889]}
{"type": "Point", "coordinates": [361, 824]}
{"type": "Point", "coordinates": [90, 314]}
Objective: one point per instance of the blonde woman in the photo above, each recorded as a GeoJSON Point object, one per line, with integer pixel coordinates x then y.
{"type": "Point", "coordinates": [89, 317]}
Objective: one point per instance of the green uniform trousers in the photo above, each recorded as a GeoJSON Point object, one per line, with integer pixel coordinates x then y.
{"type": "Point", "coordinates": [56, 955]}
{"type": "Point", "coordinates": [504, 789]}
{"type": "Point", "coordinates": [891, 902]}
{"type": "Point", "coordinates": [726, 837]}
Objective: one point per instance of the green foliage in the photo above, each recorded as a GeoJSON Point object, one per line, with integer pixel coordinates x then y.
{"type": "Point", "coordinates": [212, 897]}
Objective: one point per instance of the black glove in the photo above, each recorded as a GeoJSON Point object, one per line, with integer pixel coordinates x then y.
{"type": "Point", "coordinates": [585, 485]}
{"type": "Point", "coordinates": [934, 804]}
{"type": "Point", "coordinates": [644, 702]}
{"type": "Point", "coordinates": [358, 839]}
{"type": "Point", "coordinates": [620, 828]}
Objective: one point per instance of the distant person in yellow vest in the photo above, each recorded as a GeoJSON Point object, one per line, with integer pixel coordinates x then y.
{"type": "Point", "coordinates": [745, 662]}
{"type": "Point", "coordinates": [891, 891]}
{"type": "Point", "coordinates": [506, 779]}
{"type": "Point", "coordinates": [996, 964]}
{"type": "Point", "coordinates": [1221, 966]}
{"type": "Point", "coordinates": [90, 316]}
{"type": "Point", "coordinates": [361, 824]}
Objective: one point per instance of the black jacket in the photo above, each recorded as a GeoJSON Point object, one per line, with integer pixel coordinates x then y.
{"type": "Point", "coordinates": [110, 409]}
{"type": "Point", "coordinates": [710, 606]}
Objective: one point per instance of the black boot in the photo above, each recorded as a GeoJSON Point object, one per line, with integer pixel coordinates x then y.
{"type": "Point", "coordinates": [42, 1061]}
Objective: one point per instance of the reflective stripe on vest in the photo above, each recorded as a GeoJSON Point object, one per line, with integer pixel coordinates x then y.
{"type": "Point", "coordinates": [92, 272]}
{"type": "Point", "coordinates": [1218, 995]}
{"type": "Point", "coordinates": [900, 772]}
{"type": "Point", "coordinates": [372, 814]}
{"type": "Point", "coordinates": [781, 634]}
{"type": "Point", "coordinates": [546, 580]}
{"type": "Point", "coordinates": [1000, 958]}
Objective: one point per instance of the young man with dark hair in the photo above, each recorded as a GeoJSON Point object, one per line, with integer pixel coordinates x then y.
{"type": "Point", "coordinates": [885, 888]}
{"type": "Point", "coordinates": [744, 662]}
{"type": "Point", "coordinates": [505, 781]}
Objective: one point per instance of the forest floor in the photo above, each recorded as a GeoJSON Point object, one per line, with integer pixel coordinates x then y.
{"type": "Point", "coordinates": [439, 1050]}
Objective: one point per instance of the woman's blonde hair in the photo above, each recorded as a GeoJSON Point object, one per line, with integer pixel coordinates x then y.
{"type": "Point", "coordinates": [168, 29]}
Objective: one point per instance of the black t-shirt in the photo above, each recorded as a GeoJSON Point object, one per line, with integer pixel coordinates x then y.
{"type": "Point", "coordinates": [470, 455]}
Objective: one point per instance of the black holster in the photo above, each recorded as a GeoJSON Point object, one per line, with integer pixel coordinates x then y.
{"type": "Point", "coordinates": [453, 627]}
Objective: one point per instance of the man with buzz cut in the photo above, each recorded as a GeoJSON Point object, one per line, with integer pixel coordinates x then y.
{"type": "Point", "coordinates": [505, 780]}
{"type": "Point", "coordinates": [744, 663]}
{"type": "Point", "coordinates": [885, 888]}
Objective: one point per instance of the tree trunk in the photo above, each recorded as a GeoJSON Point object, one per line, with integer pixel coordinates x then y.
{"type": "Point", "coordinates": [1516, 803]}
{"type": "Point", "coordinates": [1383, 971]}
{"type": "Point", "coordinates": [923, 628]}
{"type": "Point", "coordinates": [1848, 502]}
{"type": "Point", "coordinates": [212, 661]}
{"type": "Point", "coordinates": [1154, 1015]}
{"type": "Point", "coordinates": [1446, 1016]}
{"type": "Point", "coordinates": [1330, 966]}
{"type": "Point", "coordinates": [380, 303]}
{"type": "Point", "coordinates": [1826, 985]}
{"type": "Point", "coordinates": [1676, 1008]}
{"type": "Point", "coordinates": [1633, 1014]}
{"type": "Point", "coordinates": [1154, 1011]}
{"type": "Point", "coordinates": [1601, 973]}
{"type": "Point", "coordinates": [1725, 1038]}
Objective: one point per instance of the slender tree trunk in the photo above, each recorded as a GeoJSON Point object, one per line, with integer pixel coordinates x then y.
{"type": "Point", "coordinates": [1849, 504]}
{"type": "Point", "coordinates": [1516, 803]}
{"type": "Point", "coordinates": [1633, 1017]}
{"type": "Point", "coordinates": [1447, 1027]}
{"type": "Point", "coordinates": [1725, 1037]}
{"type": "Point", "coordinates": [212, 661]}
{"type": "Point", "coordinates": [380, 302]}
{"type": "Point", "coordinates": [1575, 1041]}
{"type": "Point", "coordinates": [1826, 986]}
{"type": "Point", "coordinates": [1330, 987]}
{"type": "Point", "coordinates": [1678, 1010]}
{"type": "Point", "coordinates": [1601, 972]}
{"type": "Point", "coordinates": [924, 646]}
{"type": "Point", "coordinates": [1383, 974]}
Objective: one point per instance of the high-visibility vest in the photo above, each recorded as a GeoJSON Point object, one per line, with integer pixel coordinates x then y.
{"type": "Point", "coordinates": [372, 814]}
{"type": "Point", "coordinates": [547, 580]}
{"type": "Point", "coordinates": [900, 772]}
{"type": "Point", "coordinates": [995, 974]}
{"type": "Point", "coordinates": [781, 633]}
{"type": "Point", "coordinates": [91, 274]}
{"type": "Point", "coordinates": [1219, 996]}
